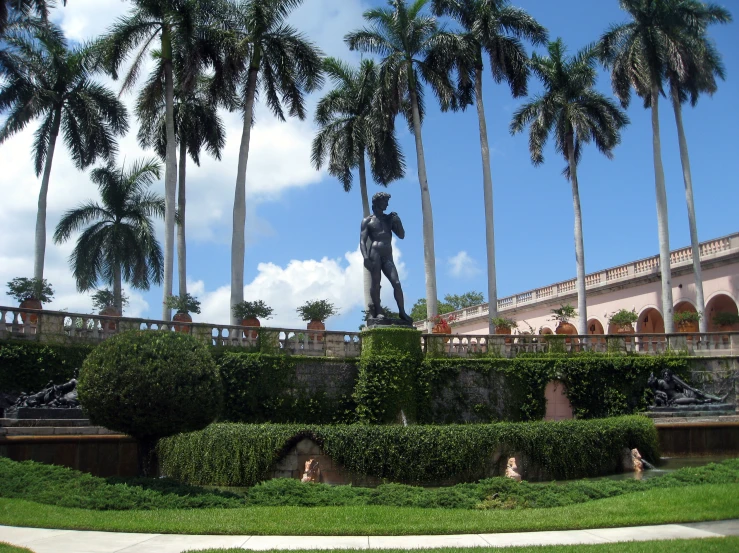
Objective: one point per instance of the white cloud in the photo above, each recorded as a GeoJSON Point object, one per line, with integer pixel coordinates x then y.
{"type": "Point", "coordinates": [462, 265]}
{"type": "Point", "coordinates": [339, 280]}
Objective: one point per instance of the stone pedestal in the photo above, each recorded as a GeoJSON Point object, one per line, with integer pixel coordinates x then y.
{"type": "Point", "coordinates": [47, 413]}
{"type": "Point", "coordinates": [385, 322]}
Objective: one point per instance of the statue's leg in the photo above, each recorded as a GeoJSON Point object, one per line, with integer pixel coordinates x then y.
{"type": "Point", "coordinates": [392, 275]}
{"type": "Point", "coordinates": [375, 307]}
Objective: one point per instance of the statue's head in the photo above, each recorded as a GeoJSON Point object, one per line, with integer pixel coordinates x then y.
{"type": "Point", "coordinates": [667, 375]}
{"type": "Point", "coordinates": [380, 200]}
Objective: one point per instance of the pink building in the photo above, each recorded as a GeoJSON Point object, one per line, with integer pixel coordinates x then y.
{"type": "Point", "coordinates": [633, 286]}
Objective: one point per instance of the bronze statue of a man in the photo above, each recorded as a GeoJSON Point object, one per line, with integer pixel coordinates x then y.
{"type": "Point", "coordinates": [375, 243]}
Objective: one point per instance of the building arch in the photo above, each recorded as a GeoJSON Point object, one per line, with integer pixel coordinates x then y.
{"type": "Point", "coordinates": [721, 303]}
{"type": "Point", "coordinates": [686, 306]}
{"type": "Point", "coordinates": [650, 321]}
{"type": "Point", "coordinates": [595, 326]}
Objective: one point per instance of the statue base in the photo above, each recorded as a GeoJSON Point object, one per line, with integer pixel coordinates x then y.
{"type": "Point", "coordinates": [29, 413]}
{"type": "Point", "coordinates": [702, 407]}
{"type": "Point", "coordinates": [384, 321]}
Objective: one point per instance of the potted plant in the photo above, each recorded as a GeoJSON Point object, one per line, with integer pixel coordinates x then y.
{"type": "Point", "coordinates": [726, 321]}
{"type": "Point", "coordinates": [249, 312]}
{"type": "Point", "coordinates": [441, 323]}
{"type": "Point", "coordinates": [315, 313]}
{"type": "Point", "coordinates": [686, 321]}
{"type": "Point", "coordinates": [563, 314]}
{"type": "Point", "coordinates": [622, 321]}
{"type": "Point", "coordinates": [31, 293]}
{"type": "Point", "coordinates": [184, 305]}
{"type": "Point", "coordinates": [504, 325]}
{"type": "Point", "coordinates": [104, 302]}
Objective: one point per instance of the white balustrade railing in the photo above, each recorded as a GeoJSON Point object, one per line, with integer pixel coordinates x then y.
{"type": "Point", "coordinates": [460, 345]}
{"type": "Point", "coordinates": [59, 326]}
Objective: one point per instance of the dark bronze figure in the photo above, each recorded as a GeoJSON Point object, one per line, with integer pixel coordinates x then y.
{"type": "Point", "coordinates": [670, 390]}
{"type": "Point", "coordinates": [61, 396]}
{"type": "Point", "coordinates": [375, 243]}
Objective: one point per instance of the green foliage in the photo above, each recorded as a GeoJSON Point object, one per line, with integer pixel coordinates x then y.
{"type": "Point", "coordinates": [241, 455]}
{"type": "Point", "coordinates": [502, 322]}
{"type": "Point", "coordinates": [22, 289]}
{"type": "Point", "coordinates": [683, 317]}
{"type": "Point", "coordinates": [468, 299]}
{"type": "Point", "coordinates": [725, 319]}
{"type": "Point", "coordinates": [29, 366]}
{"type": "Point", "coordinates": [150, 384]}
{"type": "Point", "coordinates": [252, 310]}
{"type": "Point", "coordinates": [317, 310]}
{"type": "Point", "coordinates": [55, 485]}
{"type": "Point", "coordinates": [564, 313]}
{"type": "Point", "coordinates": [387, 375]}
{"type": "Point", "coordinates": [271, 388]}
{"type": "Point", "coordinates": [105, 298]}
{"type": "Point", "coordinates": [183, 304]}
{"type": "Point", "coordinates": [624, 317]}
{"type": "Point", "coordinates": [418, 312]}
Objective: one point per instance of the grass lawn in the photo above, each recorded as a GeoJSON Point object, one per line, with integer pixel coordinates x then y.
{"type": "Point", "coordinates": [655, 506]}
{"type": "Point", "coordinates": [713, 545]}
{"type": "Point", "coordinates": [6, 548]}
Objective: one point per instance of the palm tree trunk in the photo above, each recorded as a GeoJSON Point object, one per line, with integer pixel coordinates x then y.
{"type": "Point", "coordinates": [429, 256]}
{"type": "Point", "coordinates": [181, 245]}
{"type": "Point", "coordinates": [582, 306]}
{"type": "Point", "coordinates": [687, 177]}
{"type": "Point", "coordinates": [664, 234]}
{"type": "Point", "coordinates": [170, 172]}
{"type": "Point", "coordinates": [239, 212]}
{"type": "Point", "coordinates": [117, 289]}
{"type": "Point", "coordinates": [487, 187]}
{"type": "Point", "coordinates": [366, 277]}
{"type": "Point", "coordinates": [40, 247]}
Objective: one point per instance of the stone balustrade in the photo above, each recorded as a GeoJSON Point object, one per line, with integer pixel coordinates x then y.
{"type": "Point", "coordinates": [718, 344]}
{"type": "Point", "coordinates": [59, 326]}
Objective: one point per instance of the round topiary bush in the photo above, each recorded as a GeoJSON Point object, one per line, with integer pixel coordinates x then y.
{"type": "Point", "coordinates": [149, 385]}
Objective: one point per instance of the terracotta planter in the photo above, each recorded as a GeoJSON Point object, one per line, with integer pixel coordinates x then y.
{"type": "Point", "coordinates": [567, 329]}
{"type": "Point", "coordinates": [316, 325]}
{"type": "Point", "coordinates": [110, 311]}
{"type": "Point", "coordinates": [688, 327]}
{"type": "Point", "coordinates": [251, 321]}
{"type": "Point", "coordinates": [441, 328]}
{"type": "Point", "coordinates": [31, 303]}
{"type": "Point", "coordinates": [504, 330]}
{"type": "Point", "coordinates": [182, 318]}
{"type": "Point", "coordinates": [623, 329]}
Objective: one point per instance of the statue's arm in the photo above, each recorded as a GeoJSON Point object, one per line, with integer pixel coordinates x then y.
{"type": "Point", "coordinates": [363, 236]}
{"type": "Point", "coordinates": [397, 226]}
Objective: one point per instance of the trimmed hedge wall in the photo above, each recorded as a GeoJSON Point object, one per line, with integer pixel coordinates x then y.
{"type": "Point", "coordinates": [242, 455]}
{"type": "Point", "coordinates": [29, 366]}
{"type": "Point", "coordinates": [278, 388]}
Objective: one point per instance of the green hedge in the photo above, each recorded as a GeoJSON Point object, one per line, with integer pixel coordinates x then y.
{"type": "Point", "coordinates": [29, 366]}
{"type": "Point", "coordinates": [242, 455]}
{"type": "Point", "coordinates": [278, 388]}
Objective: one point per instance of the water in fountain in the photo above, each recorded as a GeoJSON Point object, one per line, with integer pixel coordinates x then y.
{"type": "Point", "coordinates": [403, 419]}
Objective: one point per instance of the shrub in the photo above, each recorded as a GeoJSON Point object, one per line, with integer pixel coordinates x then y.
{"type": "Point", "coordinates": [104, 298]}
{"type": "Point", "coordinates": [683, 317]}
{"type": "Point", "coordinates": [624, 317]}
{"type": "Point", "coordinates": [241, 455]}
{"type": "Point", "coordinates": [150, 385]}
{"type": "Point", "coordinates": [503, 322]}
{"type": "Point", "coordinates": [318, 310]}
{"type": "Point", "coordinates": [183, 304]}
{"type": "Point", "coordinates": [564, 313]}
{"type": "Point", "coordinates": [22, 289]}
{"type": "Point", "coordinates": [252, 310]}
{"type": "Point", "coordinates": [725, 319]}
{"type": "Point", "coordinates": [29, 366]}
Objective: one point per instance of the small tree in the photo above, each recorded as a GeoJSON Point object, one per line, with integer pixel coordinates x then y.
{"type": "Point", "coordinates": [623, 317]}
{"type": "Point", "coordinates": [564, 313]}
{"type": "Point", "coordinates": [251, 310]}
{"type": "Point", "coordinates": [150, 385]}
{"type": "Point", "coordinates": [317, 310]}
{"type": "Point", "coordinates": [106, 298]}
{"type": "Point", "coordinates": [183, 304]}
{"type": "Point", "coordinates": [23, 289]}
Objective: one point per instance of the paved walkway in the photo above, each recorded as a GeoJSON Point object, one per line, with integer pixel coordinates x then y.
{"type": "Point", "coordinates": [72, 541]}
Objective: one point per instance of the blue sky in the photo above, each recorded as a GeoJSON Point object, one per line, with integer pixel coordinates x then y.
{"type": "Point", "coordinates": [303, 228]}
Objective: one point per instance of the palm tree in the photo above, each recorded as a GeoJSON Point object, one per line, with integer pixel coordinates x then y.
{"type": "Point", "coordinates": [44, 79]}
{"type": "Point", "coordinates": [24, 8]}
{"type": "Point", "coordinates": [273, 56]}
{"type": "Point", "coordinates": [350, 127]}
{"type": "Point", "coordinates": [492, 27]}
{"type": "Point", "coordinates": [189, 25]}
{"type": "Point", "coordinates": [576, 114]}
{"type": "Point", "coordinates": [641, 53]}
{"type": "Point", "coordinates": [701, 65]}
{"type": "Point", "coordinates": [117, 242]}
{"type": "Point", "coordinates": [413, 51]}
{"type": "Point", "coordinates": [197, 125]}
